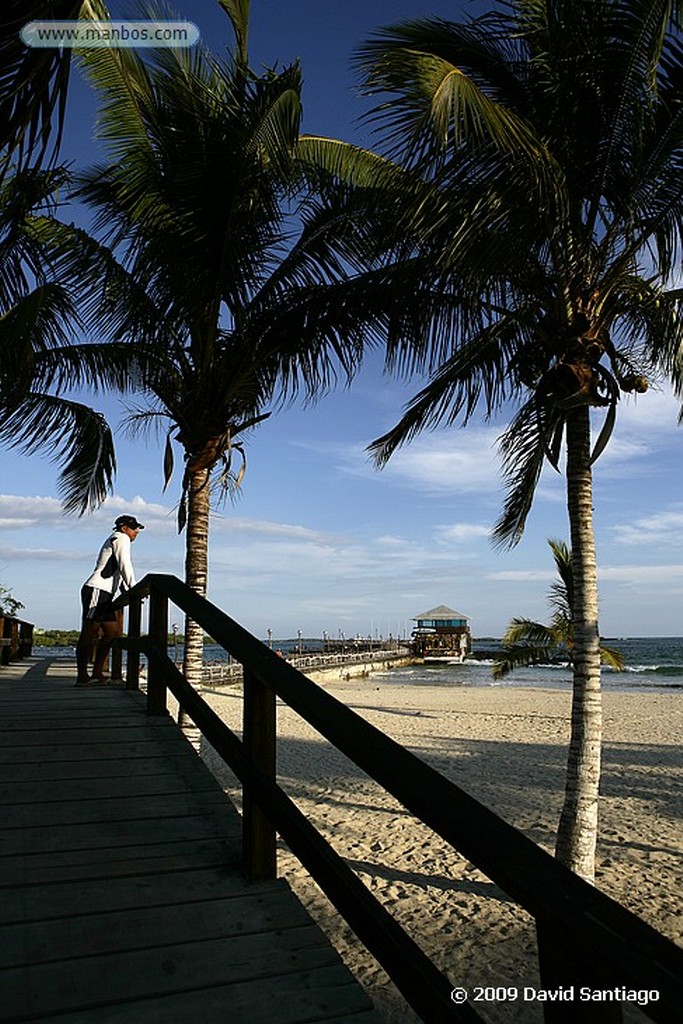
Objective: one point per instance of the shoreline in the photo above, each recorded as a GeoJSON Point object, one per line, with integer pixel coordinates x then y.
{"type": "Point", "coordinates": [507, 748]}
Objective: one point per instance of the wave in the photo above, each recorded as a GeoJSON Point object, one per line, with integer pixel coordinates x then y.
{"type": "Point", "coordinates": [658, 670]}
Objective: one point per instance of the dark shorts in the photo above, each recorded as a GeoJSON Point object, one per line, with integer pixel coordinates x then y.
{"type": "Point", "coordinates": [97, 605]}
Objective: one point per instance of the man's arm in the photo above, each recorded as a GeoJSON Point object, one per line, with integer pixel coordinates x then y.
{"type": "Point", "coordinates": [121, 547]}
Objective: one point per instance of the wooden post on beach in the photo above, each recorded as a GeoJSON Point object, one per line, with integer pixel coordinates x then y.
{"type": "Point", "coordinates": [259, 737]}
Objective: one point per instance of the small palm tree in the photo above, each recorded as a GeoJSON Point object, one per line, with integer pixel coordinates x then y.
{"type": "Point", "coordinates": [528, 643]}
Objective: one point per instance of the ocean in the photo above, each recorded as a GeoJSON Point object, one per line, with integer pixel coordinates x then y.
{"type": "Point", "coordinates": [652, 663]}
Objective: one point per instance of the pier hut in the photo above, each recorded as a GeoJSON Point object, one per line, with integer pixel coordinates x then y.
{"type": "Point", "coordinates": [441, 634]}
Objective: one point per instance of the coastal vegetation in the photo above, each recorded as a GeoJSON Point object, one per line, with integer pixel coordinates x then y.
{"type": "Point", "coordinates": [55, 637]}
{"type": "Point", "coordinates": [9, 605]}
{"type": "Point", "coordinates": [526, 642]}
{"type": "Point", "coordinates": [69, 637]}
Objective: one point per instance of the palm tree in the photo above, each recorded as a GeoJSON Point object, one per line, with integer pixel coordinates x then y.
{"type": "Point", "coordinates": [528, 643]}
{"type": "Point", "coordinates": [235, 308]}
{"type": "Point", "coordinates": [46, 298]}
{"type": "Point", "coordinates": [549, 140]}
{"type": "Point", "coordinates": [34, 80]}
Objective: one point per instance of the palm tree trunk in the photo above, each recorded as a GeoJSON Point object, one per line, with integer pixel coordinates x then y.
{"type": "Point", "coordinates": [578, 827]}
{"type": "Point", "coordinates": [196, 567]}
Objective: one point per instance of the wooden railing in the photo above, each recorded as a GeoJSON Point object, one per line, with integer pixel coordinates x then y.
{"type": "Point", "coordinates": [223, 671]}
{"type": "Point", "coordinates": [16, 639]}
{"type": "Point", "coordinates": [585, 939]}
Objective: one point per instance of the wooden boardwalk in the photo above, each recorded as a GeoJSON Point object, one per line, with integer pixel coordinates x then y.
{"type": "Point", "coordinates": [121, 895]}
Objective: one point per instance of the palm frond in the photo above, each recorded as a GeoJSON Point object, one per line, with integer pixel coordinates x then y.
{"type": "Point", "coordinates": [238, 12]}
{"type": "Point", "coordinates": [39, 321]}
{"type": "Point", "coordinates": [524, 450]}
{"type": "Point", "coordinates": [34, 81]}
{"type": "Point", "coordinates": [76, 437]}
{"type": "Point", "coordinates": [561, 596]}
{"type": "Point", "coordinates": [521, 630]}
{"type": "Point", "coordinates": [322, 158]}
{"type": "Point", "coordinates": [523, 655]}
{"type": "Point", "coordinates": [612, 657]}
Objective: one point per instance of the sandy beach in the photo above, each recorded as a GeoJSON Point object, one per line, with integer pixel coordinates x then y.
{"type": "Point", "coordinates": [506, 747]}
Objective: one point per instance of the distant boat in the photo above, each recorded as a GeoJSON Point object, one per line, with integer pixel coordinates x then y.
{"type": "Point", "coordinates": [444, 659]}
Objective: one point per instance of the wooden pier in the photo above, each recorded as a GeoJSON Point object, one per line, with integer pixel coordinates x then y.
{"type": "Point", "coordinates": [122, 897]}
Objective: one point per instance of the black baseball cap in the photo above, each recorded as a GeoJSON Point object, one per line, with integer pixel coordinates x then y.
{"type": "Point", "coordinates": [129, 521]}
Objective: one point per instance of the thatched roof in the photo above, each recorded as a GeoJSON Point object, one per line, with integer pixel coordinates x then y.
{"type": "Point", "coordinates": [441, 611]}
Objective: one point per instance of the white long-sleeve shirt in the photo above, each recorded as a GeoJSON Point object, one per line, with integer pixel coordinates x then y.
{"type": "Point", "coordinates": [114, 567]}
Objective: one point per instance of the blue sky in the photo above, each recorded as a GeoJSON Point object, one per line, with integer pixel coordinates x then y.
{"type": "Point", "coordinates": [319, 539]}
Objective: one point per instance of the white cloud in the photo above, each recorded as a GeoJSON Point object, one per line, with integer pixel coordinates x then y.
{"type": "Point", "coordinates": [454, 461]}
{"type": "Point", "coordinates": [460, 461]}
{"type": "Point", "coordinates": [462, 532]}
{"type": "Point", "coordinates": [521, 575]}
{"type": "Point", "coordinates": [18, 512]}
{"type": "Point", "coordinates": [655, 411]}
{"type": "Point", "coordinates": [639, 574]}
{"type": "Point", "coordinates": [239, 524]}
{"type": "Point", "coordinates": [14, 554]}
{"type": "Point", "coordinates": [645, 425]}
{"type": "Point", "coordinates": [660, 528]}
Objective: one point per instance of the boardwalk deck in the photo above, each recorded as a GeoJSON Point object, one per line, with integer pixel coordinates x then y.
{"type": "Point", "coordinates": [121, 893]}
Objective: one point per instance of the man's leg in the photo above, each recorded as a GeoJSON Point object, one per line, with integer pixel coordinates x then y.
{"type": "Point", "coordinates": [84, 646]}
{"type": "Point", "coordinates": [110, 632]}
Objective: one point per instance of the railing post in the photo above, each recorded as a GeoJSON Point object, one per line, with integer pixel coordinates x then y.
{"type": "Point", "coordinates": [133, 659]}
{"type": "Point", "coordinates": [259, 737]}
{"type": "Point", "coordinates": [117, 650]}
{"type": "Point", "coordinates": [4, 657]}
{"type": "Point", "coordinates": [158, 638]}
{"type": "Point", "coordinates": [564, 972]}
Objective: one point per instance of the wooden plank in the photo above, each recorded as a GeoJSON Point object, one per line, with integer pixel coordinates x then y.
{"type": "Point", "coordinates": [92, 836]}
{"type": "Point", "coordinates": [136, 928]}
{"type": "Point", "coordinates": [60, 814]}
{"type": "Point", "coordinates": [96, 732]}
{"type": "Point", "coordinates": [178, 764]}
{"type": "Point", "coordinates": [46, 866]}
{"type": "Point", "coordinates": [65, 899]}
{"type": "Point", "coordinates": [310, 995]}
{"type": "Point", "coordinates": [94, 981]}
{"type": "Point", "coordinates": [51, 790]}
{"type": "Point", "coordinates": [39, 720]}
{"type": "Point", "coordinates": [91, 752]}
